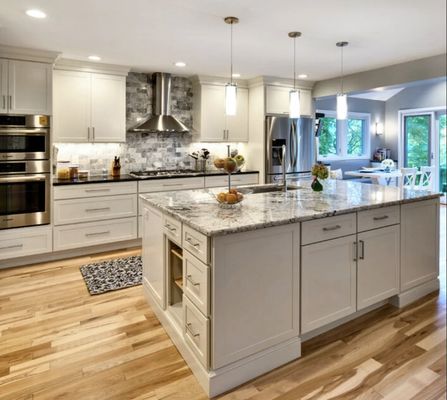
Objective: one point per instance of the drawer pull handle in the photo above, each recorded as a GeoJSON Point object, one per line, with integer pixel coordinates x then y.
{"type": "Point", "coordinates": [362, 247]}
{"type": "Point", "coordinates": [189, 278]}
{"type": "Point", "coordinates": [188, 328]}
{"type": "Point", "coordinates": [14, 246]}
{"type": "Point", "coordinates": [380, 218]}
{"type": "Point", "coordinates": [170, 228]}
{"type": "Point", "coordinates": [97, 190]}
{"type": "Point", "coordinates": [97, 233]}
{"type": "Point", "coordinates": [356, 251]}
{"type": "Point", "coordinates": [97, 209]}
{"type": "Point", "coordinates": [190, 241]}
{"type": "Point", "coordinates": [331, 228]}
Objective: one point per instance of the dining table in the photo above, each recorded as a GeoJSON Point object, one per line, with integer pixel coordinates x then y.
{"type": "Point", "coordinates": [378, 176]}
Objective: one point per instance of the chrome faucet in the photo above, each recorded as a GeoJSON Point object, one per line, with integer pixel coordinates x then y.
{"type": "Point", "coordinates": [283, 165]}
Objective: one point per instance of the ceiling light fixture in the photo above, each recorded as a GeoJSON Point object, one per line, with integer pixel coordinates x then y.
{"type": "Point", "coordinates": [342, 98]}
{"type": "Point", "coordinates": [231, 87]}
{"type": "Point", "coordinates": [94, 58]}
{"type": "Point", "coordinates": [180, 64]}
{"type": "Point", "coordinates": [294, 95]}
{"type": "Point", "coordinates": [36, 13]}
{"type": "Point", "coordinates": [302, 76]}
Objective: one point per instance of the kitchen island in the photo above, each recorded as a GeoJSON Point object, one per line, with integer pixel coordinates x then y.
{"type": "Point", "coordinates": [239, 289]}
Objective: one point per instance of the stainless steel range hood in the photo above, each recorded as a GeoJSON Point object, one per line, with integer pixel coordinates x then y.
{"type": "Point", "coordinates": [161, 120]}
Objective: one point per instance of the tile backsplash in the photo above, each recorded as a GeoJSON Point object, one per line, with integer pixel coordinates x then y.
{"type": "Point", "coordinates": [145, 150]}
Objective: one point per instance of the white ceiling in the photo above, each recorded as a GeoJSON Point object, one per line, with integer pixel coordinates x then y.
{"type": "Point", "coordinates": [152, 34]}
{"type": "Point", "coordinates": [382, 95]}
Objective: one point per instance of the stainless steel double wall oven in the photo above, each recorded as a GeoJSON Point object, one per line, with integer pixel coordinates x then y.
{"type": "Point", "coordinates": [24, 170]}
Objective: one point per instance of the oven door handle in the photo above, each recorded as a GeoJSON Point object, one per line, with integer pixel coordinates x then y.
{"type": "Point", "coordinates": [29, 131]}
{"type": "Point", "coordinates": [24, 178]}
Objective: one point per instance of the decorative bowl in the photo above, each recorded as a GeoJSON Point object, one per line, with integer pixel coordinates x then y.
{"type": "Point", "coordinates": [229, 199]}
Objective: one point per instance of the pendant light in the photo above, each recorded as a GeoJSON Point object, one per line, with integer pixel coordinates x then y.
{"type": "Point", "coordinates": [231, 87]}
{"type": "Point", "coordinates": [294, 95]}
{"type": "Point", "coordinates": [342, 98]}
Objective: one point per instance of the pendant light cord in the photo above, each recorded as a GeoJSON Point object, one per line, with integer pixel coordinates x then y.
{"type": "Point", "coordinates": [294, 63]}
{"type": "Point", "coordinates": [231, 53]}
{"type": "Point", "coordinates": [342, 71]}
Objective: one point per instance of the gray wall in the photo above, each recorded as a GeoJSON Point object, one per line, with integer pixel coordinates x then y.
{"type": "Point", "coordinates": [427, 95]}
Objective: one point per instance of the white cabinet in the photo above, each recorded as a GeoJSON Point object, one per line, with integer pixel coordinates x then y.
{"type": "Point", "coordinates": [419, 243]}
{"type": "Point", "coordinates": [23, 242]}
{"type": "Point", "coordinates": [25, 87]}
{"type": "Point", "coordinates": [378, 265]}
{"type": "Point", "coordinates": [154, 273]}
{"type": "Point", "coordinates": [236, 180]}
{"type": "Point", "coordinates": [277, 100]}
{"type": "Point", "coordinates": [210, 119]}
{"type": "Point", "coordinates": [89, 107]}
{"type": "Point", "coordinates": [328, 282]}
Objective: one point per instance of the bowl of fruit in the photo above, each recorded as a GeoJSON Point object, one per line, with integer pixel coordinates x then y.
{"type": "Point", "coordinates": [229, 199]}
{"type": "Point", "coordinates": [230, 164]}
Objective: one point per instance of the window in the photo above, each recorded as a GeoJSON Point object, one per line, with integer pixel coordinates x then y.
{"type": "Point", "coordinates": [344, 139]}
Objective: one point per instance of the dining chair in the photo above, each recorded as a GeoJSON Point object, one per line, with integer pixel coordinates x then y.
{"type": "Point", "coordinates": [426, 178]}
{"type": "Point", "coordinates": [408, 179]}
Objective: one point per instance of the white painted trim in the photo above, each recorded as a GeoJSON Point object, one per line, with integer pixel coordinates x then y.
{"type": "Point", "coordinates": [86, 66]}
{"type": "Point", "coordinates": [282, 82]}
{"type": "Point", "coordinates": [20, 53]}
{"type": "Point", "coordinates": [409, 296]}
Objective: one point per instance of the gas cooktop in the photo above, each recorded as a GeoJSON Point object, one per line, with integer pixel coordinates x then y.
{"type": "Point", "coordinates": [162, 172]}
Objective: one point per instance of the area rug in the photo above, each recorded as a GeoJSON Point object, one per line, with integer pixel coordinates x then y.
{"type": "Point", "coordinates": [116, 274]}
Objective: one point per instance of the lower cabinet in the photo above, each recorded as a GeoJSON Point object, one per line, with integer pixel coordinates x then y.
{"type": "Point", "coordinates": [378, 265]}
{"type": "Point", "coordinates": [419, 243]}
{"type": "Point", "coordinates": [328, 282]}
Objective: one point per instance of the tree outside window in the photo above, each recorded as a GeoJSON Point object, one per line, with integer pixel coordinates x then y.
{"type": "Point", "coordinates": [355, 137]}
{"type": "Point", "coordinates": [328, 136]}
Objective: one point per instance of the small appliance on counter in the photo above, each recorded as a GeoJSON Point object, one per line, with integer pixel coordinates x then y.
{"type": "Point", "coordinates": [382, 154]}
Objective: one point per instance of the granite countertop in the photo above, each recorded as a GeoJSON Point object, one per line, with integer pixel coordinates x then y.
{"type": "Point", "coordinates": [125, 177]}
{"type": "Point", "coordinates": [200, 210]}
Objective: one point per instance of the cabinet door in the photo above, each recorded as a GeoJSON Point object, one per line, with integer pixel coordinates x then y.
{"type": "Point", "coordinates": [237, 125]}
{"type": "Point", "coordinates": [154, 274]}
{"type": "Point", "coordinates": [328, 282]}
{"type": "Point", "coordinates": [277, 100]}
{"type": "Point", "coordinates": [108, 108]}
{"type": "Point", "coordinates": [212, 127]}
{"type": "Point", "coordinates": [71, 98]}
{"type": "Point", "coordinates": [3, 86]}
{"type": "Point", "coordinates": [29, 87]}
{"type": "Point", "coordinates": [378, 265]}
{"type": "Point", "coordinates": [306, 103]}
{"type": "Point", "coordinates": [419, 243]}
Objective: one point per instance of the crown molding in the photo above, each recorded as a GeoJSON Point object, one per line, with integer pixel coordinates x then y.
{"type": "Point", "coordinates": [21, 53]}
{"type": "Point", "coordinates": [87, 66]}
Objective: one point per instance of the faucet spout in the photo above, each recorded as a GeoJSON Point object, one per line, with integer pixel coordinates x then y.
{"type": "Point", "coordinates": [283, 165]}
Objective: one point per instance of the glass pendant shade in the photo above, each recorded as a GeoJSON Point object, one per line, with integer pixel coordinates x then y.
{"type": "Point", "coordinates": [342, 106]}
{"type": "Point", "coordinates": [230, 98]}
{"type": "Point", "coordinates": [294, 104]}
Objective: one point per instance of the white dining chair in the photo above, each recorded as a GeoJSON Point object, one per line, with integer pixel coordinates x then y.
{"type": "Point", "coordinates": [426, 178]}
{"type": "Point", "coordinates": [408, 179]}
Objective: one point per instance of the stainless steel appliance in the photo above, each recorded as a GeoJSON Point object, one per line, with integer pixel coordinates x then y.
{"type": "Point", "coordinates": [298, 135]}
{"type": "Point", "coordinates": [24, 137]}
{"type": "Point", "coordinates": [24, 193]}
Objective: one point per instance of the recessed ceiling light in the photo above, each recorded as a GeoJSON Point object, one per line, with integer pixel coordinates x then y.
{"type": "Point", "coordinates": [379, 89]}
{"type": "Point", "coordinates": [36, 13]}
{"type": "Point", "coordinates": [236, 75]}
{"type": "Point", "coordinates": [302, 76]}
{"type": "Point", "coordinates": [94, 58]}
{"type": "Point", "coordinates": [180, 64]}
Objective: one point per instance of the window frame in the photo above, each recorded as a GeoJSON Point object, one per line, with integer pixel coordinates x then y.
{"type": "Point", "coordinates": [342, 137]}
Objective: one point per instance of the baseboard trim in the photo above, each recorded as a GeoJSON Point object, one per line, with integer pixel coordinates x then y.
{"type": "Point", "coordinates": [411, 295]}
{"type": "Point", "coordinates": [59, 255]}
{"type": "Point", "coordinates": [218, 381]}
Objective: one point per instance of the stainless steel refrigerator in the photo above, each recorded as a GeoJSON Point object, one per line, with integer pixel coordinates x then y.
{"type": "Point", "coordinates": [299, 137]}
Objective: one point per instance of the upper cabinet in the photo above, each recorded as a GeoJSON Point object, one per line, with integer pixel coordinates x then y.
{"type": "Point", "coordinates": [210, 119]}
{"type": "Point", "coordinates": [89, 107]}
{"type": "Point", "coordinates": [25, 87]}
{"type": "Point", "coordinates": [277, 100]}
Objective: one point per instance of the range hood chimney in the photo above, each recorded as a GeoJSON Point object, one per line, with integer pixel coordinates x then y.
{"type": "Point", "coordinates": [161, 121]}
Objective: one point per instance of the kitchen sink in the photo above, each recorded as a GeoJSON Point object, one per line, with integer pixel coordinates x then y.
{"type": "Point", "coordinates": [267, 189]}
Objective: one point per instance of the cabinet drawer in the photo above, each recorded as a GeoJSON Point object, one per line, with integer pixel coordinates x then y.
{"type": "Point", "coordinates": [196, 331]}
{"type": "Point", "coordinates": [196, 243]}
{"type": "Point", "coordinates": [22, 242]}
{"type": "Point", "coordinates": [173, 229]}
{"type": "Point", "coordinates": [196, 277]}
{"type": "Point", "coordinates": [328, 228]}
{"type": "Point", "coordinates": [93, 233]}
{"type": "Point", "coordinates": [94, 209]}
{"type": "Point", "coordinates": [236, 180]}
{"type": "Point", "coordinates": [164, 185]}
{"type": "Point", "coordinates": [94, 190]}
{"type": "Point", "coordinates": [377, 218]}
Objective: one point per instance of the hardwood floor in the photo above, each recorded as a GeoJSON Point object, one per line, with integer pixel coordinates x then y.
{"type": "Point", "coordinates": [58, 342]}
